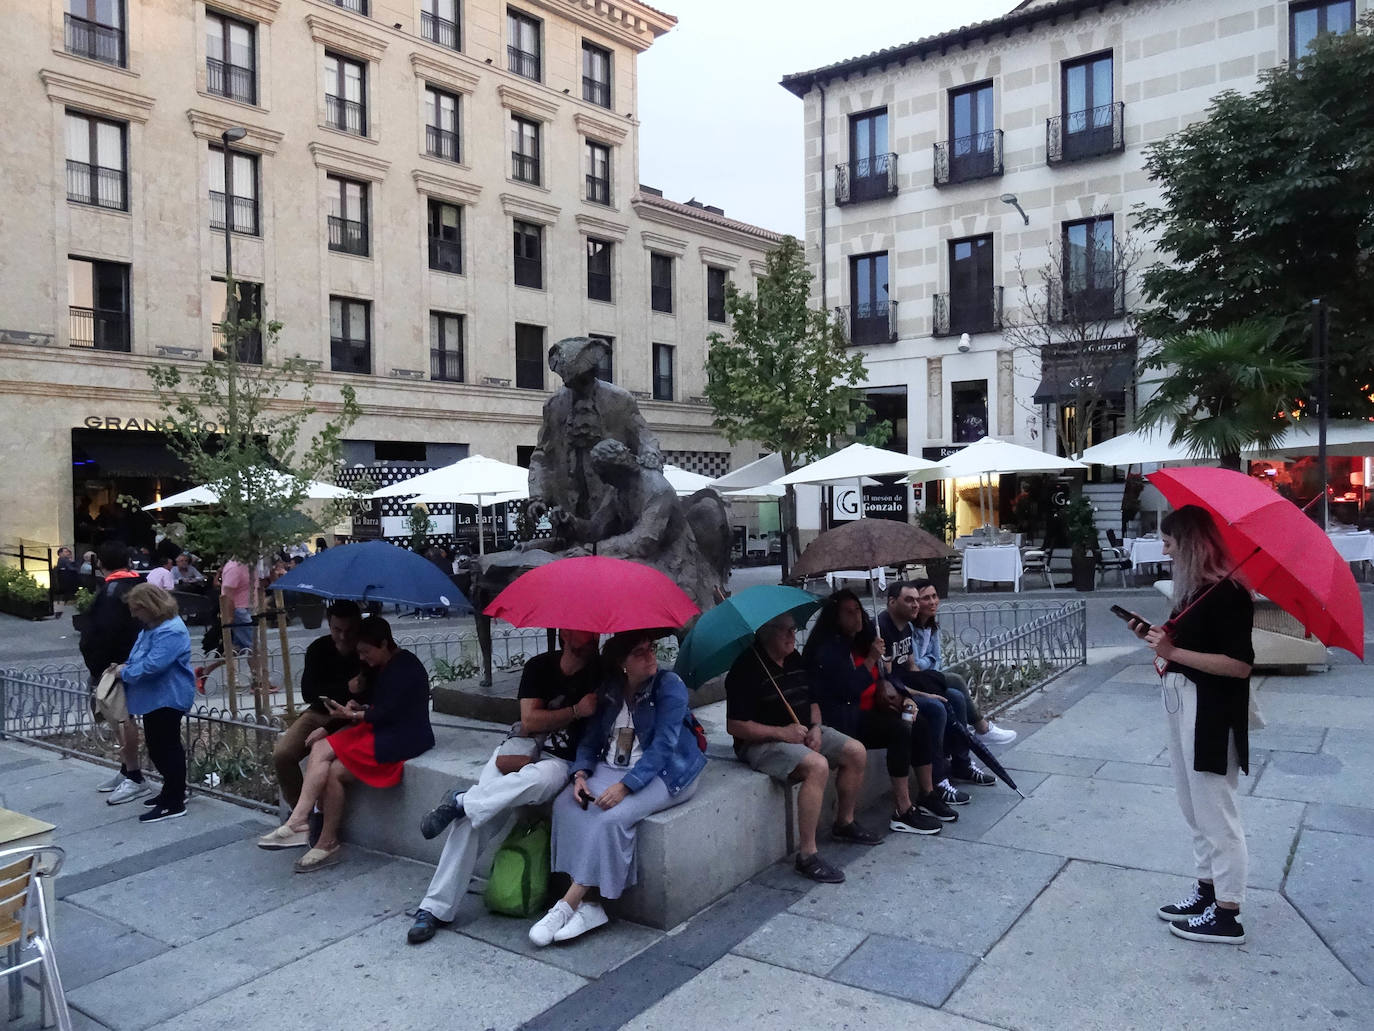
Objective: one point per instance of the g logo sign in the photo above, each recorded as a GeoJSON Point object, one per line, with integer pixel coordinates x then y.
{"type": "Point", "coordinates": [846, 504]}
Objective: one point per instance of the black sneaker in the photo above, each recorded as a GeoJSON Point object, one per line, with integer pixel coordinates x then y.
{"type": "Point", "coordinates": [816, 868]}
{"type": "Point", "coordinates": [934, 805]}
{"type": "Point", "coordinates": [854, 834]}
{"type": "Point", "coordinates": [156, 800]}
{"type": "Point", "coordinates": [426, 924]}
{"type": "Point", "coordinates": [913, 821]}
{"type": "Point", "coordinates": [972, 774]}
{"type": "Point", "coordinates": [162, 812]}
{"type": "Point", "coordinates": [1193, 904]}
{"type": "Point", "coordinates": [432, 824]}
{"type": "Point", "coordinates": [1213, 924]}
{"type": "Point", "coordinates": [951, 794]}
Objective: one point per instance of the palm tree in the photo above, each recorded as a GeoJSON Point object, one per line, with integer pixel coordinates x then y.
{"type": "Point", "coordinates": [1225, 391]}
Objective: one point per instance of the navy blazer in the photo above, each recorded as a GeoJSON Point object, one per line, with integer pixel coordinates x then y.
{"type": "Point", "coordinates": [399, 712]}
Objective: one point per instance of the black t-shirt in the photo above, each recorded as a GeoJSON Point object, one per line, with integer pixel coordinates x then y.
{"type": "Point", "coordinates": [326, 675]}
{"type": "Point", "coordinates": [1220, 623]}
{"type": "Point", "coordinates": [544, 679]}
{"type": "Point", "coordinates": [899, 643]}
{"type": "Point", "coordinates": [750, 695]}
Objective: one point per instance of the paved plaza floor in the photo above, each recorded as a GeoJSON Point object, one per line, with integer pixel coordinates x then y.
{"type": "Point", "coordinates": [1034, 914]}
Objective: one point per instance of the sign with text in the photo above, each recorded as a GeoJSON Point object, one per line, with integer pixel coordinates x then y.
{"type": "Point", "coordinates": [367, 520]}
{"type": "Point", "coordinates": [879, 502]}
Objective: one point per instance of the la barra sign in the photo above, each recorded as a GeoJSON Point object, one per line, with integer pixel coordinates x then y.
{"type": "Point", "coordinates": [115, 422]}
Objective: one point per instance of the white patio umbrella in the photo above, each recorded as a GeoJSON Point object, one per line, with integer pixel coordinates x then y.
{"type": "Point", "coordinates": [754, 474]}
{"type": "Point", "coordinates": [988, 457]}
{"type": "Point", "coordinates": [475, 476]}
{"type": "Point", "coordinates": [1147, 444]}
{"type": "Point", "coordinates": [1345, 438]}
{"type": "Point", "coordinates": [208, 494]}
{"type": "Point", "coordinates": [854, 464]}
{"type": "Point", "coordinates": [684, 482]}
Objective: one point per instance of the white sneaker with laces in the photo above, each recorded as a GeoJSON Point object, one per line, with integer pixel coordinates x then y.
{"type": "Point", "coordinates": [107, 786]}
{"type": "Point", "coordinates": [542, 933]}
{"type": "Point", "coordinates": [997, 735]}
{"type": "Point", "coordinates": [587, 917]}
{"type": "Point", "coordinates": [127, 792]}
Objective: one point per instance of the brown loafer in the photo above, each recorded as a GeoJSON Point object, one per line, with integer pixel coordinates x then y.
{"type": "Point", "coordinates": [318, 859]}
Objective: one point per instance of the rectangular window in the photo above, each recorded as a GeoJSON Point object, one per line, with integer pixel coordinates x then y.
{"type": "Point", "coordinates": [529, 357]}
{"type": "Point", "coordinates": [247, 314]}
{"type": "Point", "coordinates": [348, 230]}
{"type": "Point", "coordinates": [599, 269]}
{"type": "Point", "coordinates": [661, 282]}
{"type": "Point", "coordinates": [529, 255]}
{"type": "Point", "coordinates": [94, 29]}
{"type": "Point", "coordinates": [98, 304]}
{"type": "Point", "coordinates": [230, 58]}
{"type": "Point", "coordinates": [969, 410]}
{"type": "Point", "coordinates": [1088, 112]}
{"type": "Point", "coordinates": [439, 23]}
{"type": "Point", "coordinates": [596, 75]}
{"type": "Point", "coordinates": [888, 405]}
{"type": "Point", "coordinates": [445, 347]}
{"type": "Point", "coordinates": [716, 279]}
{"type": "Point", "coordinates": [598, 173]}
{"type": "Point", "coordinates": [350, 335]}
{"type": "Point", "coordinates": [869, 174]}
{"type": "Point", "coordinates": [522, 44]}
{"type": "Point", "coordinates": [869, 322]}
{"type": "Point", "coordinates": [345, 94]}
{"type": "Point", "coordinates": [445, 237]}
{"type": "Point", "coordinates": [1308, 22]}
{"type": "Point", "coordinates": [356, 6]}
{"type": "Point", "coordinates": [663, 372]}
{"type": "Point", "coordinates": [605, 370]}
{"type": "Point", "coordinates": [243, 207]}
{"type": "Point", "coordinates": [971, 285]}
{"type": "Point", "coordinates": [972, 135]}
{"type": "Point", "coordinates": [441, 124]}
{"type": "Point", "coordinates": [96, 172]}
{"type": "Point", "coordinates": [524, 150]}
{"type": "Point", "coordinates": [1089, 260]}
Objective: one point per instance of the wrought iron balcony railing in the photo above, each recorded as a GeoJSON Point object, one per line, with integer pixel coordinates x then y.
{"type": "Point", "coordinates": [356, 6]}
{"type": "Point", "coordinates": [445, 365]}
{"type": "Point", "coordinates": [348, 235]}
{"type": "Point", "coordinates": [529, 272]}
{"type": "Point", "coordinates": [90, 39]}
{"type": "Point", "coordinates": [348, 355]}
{"type": "Point", "coordinates": [596, 91]}
{"type": "Point", "coordinates": [872, 322]}
{"type": "Point", "coordinates": [868, 178]}
{"type": "Point", "coordinates": [1098, 299]}
{"type": "Point", "coordinates": [245, 211]}
{"type": "Point", "coordinates": [524, 169]}
{"type": "Point", "coordinates": [956, 313]}
{"type": "Point", "coordinates": [445, 255]}
{"type": "Point", "coordinates": [345, 115]}
{"type": "Point", "coordinates": [661, 299]}
{"type": "Point", "coordinates": [522, 63]}
{"type": "Point", "coordinates": [441, 143]}
{"type": "Point", "coordinates": [1091, 133]}
{"type": "Point", "coordinates": [92, 184]}
{"type": "Point", "coordinates": [248, 352]}
{"type": "Point", "coordinates": [598, 189]}
{"type": "Point", "coordinates": [100, 329]}
{"type": "Point", "coordinates": [599, 286]}
{"type": "Point", "coordinates": [439, 30]}
{"type": "Point", "coordinates": [968, 158]}
{"type": "Point", "coordinates": [230, 80]}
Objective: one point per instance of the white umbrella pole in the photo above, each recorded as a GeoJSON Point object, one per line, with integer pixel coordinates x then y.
{"type": "Point", "coordinates": [481, 539]}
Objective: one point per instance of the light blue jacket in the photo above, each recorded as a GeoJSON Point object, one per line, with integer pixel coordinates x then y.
{"type": "Point", "coordinates": [158, 674]}
{"type": "Point", "coordinates": [926, 646]}
{"type": "Point", "coordinates": [658, 710]}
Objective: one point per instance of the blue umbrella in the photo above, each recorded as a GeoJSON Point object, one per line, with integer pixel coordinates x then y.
{"type": "Point", "coordinates": [375, 571]}
{"type": "Point", "coordinates": [722, 633]}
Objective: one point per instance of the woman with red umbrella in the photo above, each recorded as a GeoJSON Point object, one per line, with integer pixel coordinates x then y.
{"type": "Point", "coordinates": [1204, 654]}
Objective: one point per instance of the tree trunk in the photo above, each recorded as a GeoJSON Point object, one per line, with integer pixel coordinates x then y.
{"type": "Point", "coordinates": [791, 541]}
{"type": "Point", "coordinates": [1231, 461]}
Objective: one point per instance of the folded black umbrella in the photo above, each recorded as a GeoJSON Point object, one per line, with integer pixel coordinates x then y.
{"type": "Point", "coordinates": [981, 750]}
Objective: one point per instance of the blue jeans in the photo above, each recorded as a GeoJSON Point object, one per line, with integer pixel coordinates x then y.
{"type": "Point", "coordinates": [939, 714]}
{"type": "Point", "coordinates": [242, 632]}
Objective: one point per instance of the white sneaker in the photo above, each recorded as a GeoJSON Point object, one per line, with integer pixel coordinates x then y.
{"type": "Point", "coordinates": [128, 791]}
{"type": "Point", "coordinates": [588, 917]}
{"type": "Point", "coordinates": [542, 933]}
{"type": "Point", "coordinates": [996, 735]}
{"type": "Point", "coordinates": [107, 786]}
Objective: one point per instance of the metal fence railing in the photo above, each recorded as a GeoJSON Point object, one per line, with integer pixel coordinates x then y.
{"type": "Point", "coordinates": [1007, 649]}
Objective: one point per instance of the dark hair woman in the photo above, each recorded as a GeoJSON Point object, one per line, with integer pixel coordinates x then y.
{"type": "Point", "coordinates": [844, 657]}
{"type": "Point", "coordinates": [373, 749]}
{"type": "Point", "coordinates": [635, 758]}
{"type": "Point", "coordinates": [1206, 657]}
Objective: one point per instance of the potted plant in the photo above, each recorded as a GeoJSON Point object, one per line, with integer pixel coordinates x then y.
{"type": "Point", "coordinates": [311, 610]}
{"type": "Point", "coordinates": [1083, 540]}
{"type": "Point", "coordinates": [935, 521]}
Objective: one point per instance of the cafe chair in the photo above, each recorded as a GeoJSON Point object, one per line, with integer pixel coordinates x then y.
{"type": "Point", "coordinates": [24, 930]}
{"type": "Point", "coordinates": [1037, 560]}
{"type": "Point", "coordinates": [1113, 559]}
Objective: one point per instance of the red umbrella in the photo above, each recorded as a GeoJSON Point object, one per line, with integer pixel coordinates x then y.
{"type": "Point", "coordinates": [1284, 555]}
{"type": "Point", "coordinates": [594, 593]}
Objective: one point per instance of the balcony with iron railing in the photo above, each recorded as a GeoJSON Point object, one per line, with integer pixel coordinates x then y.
{"type": "Point", "coordinates": [529, 374]}
{"type": "Point", "coordinates": [349, 355]}
{"type": "Point", "coordinates": [596, 91]}
{"type": "Point", "coordinates": [441, 143]}
{"type": "Point", "coordinates": [1100, 298]}
{"type": "Point", "coordinates": [715, 308]}
{"type": "Point", "coordinates": [663, 387]}
{"type": "Point", "coordinates": [92, 40]}
{"type": "Point", "coordinates": [529, 272]}
{"type": "Point", "coordinates": [599, 286]}
{"type": "Point", "coordinates": [599, 189]}
{"type": "Point", "coordinates": [524, 168]}
{"type": "Point", "coordinates": [230, 80]}
{"type": "Point", "coordinates": [1077, 135]}
{"type": "Point", "coordinates": [870, 178]}
{"type": "Point", "coordinates": [873, 322]}
{"type": "Point", "coordinates": [978, 311]}
{"type": "Point", "coordinates": [445, 366]}
{"type": "Point", "coordinates": [439, 30]}
{"type": "Point", "coordinates": [345, 115]}
{"type": "Point", "coordinates": [968, 158]}
{"type": "Point", "coordinates": [248, 351]}
{"type": "Point", "coordinates": [92, 184]}
{"type": "Point", "coordinates": [98, 329]}
{"type": "Point", "coordinates": [445, 255]}
{"type": "Point", "coordinates": [356, 6]}
{"type": "Point", "coordinates": [347, 235]}
{"type": "Point", "coordinates": [245, 211]}
{"type": "Point", "coordinates": [522, 63]}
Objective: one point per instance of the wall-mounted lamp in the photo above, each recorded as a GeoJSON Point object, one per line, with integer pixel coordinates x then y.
{"type": "Point", "coordinates": [488, 60]}
{"type": "Point", "coordinates": [964, 345]}
{"type": "Point", "coordinates": [566, 92]}
{"type": "Point", "coordinates": [1010, 198]}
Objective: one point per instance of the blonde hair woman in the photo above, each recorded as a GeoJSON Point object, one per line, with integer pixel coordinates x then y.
{"type": "Point", "coordinates": [159, 686]}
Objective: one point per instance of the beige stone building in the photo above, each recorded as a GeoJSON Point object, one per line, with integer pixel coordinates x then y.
{"type": "Point", "coordinates": [427, 194]}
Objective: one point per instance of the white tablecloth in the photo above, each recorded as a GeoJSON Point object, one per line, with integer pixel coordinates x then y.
{"type": "Point", "coordinates": [996, 564]}
{"type": "Point", "coordinates": [858, 574]}
{"type": "Point", "coordinates": [1146, 551]}
{"type": "Point", "coordinates": [1354, 547]}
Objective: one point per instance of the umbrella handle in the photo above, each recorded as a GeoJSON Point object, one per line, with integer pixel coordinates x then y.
{"type": "Point", "coordinates": [773, 680]}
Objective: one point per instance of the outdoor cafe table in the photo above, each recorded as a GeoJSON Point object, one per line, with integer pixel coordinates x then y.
{"type": "Point", "coordinates": [993, 563]}
{"type": "Point", "coordinates": [1147, 551]}
{"type": "Point", "coordinates": [20, 831]}
{"type": "Point", "coordinates": [1354, 547]}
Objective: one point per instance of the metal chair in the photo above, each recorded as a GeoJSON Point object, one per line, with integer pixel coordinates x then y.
{"type": "Point", "coordinates": [1113, 559]}
{"type": "Point", "coordinates": [24, 927]}
{"type": "Point", "coordinates": [1037, 560]}
{"type": "Point", "coordinates": [1114, 540]}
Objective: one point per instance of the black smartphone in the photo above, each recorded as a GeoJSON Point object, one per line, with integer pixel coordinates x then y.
{"type": "Point", "coordinates": [1126, 615]}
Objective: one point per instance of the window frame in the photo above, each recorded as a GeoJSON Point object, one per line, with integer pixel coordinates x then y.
{"type": "Point", "coordinates": [606, 247]}
{"type": "Point", "coordinates": [341, 64]}
{"type": "Point", "coordinates": [254, 340]}
{"type": "Point", "coordinates": [337, 185]}
{"type": "Point", "coordinates": [436, 243]}
{"type": "Point", "coordinates": [1090, 289]}
{"type": "Point", "coordinates": [527, 363]}
{"type": "Point", "coordinates": [519, 60]}
{"type": "Point", "coordinates": [658, 378]}
{"type": "Point", "coordinates": [522, 232]}
{"type": "Point", "coordinates": [230, 208]}
{"type": "Point", "coordinates": [436, 135]}
{"type": "Point", "coordinates": [346, 306]}
{"type": "Point", "coordinates": [438, 350]}
{"type": "Point", "coordinates": [432, 24]}
{"type": "Point", "coordinates": [661, 295]}
{"type": "Point", "coordinates": [590, 83]}
{"type": "Point", "coordinates": [93, 179]}
{"type": "Point", "coordinates": [1321, 7]}
{"type": "Point", "coordinates": [100, 315]}
{"type": "Point", "coordinates": [975, 313]}
{"type": "Point", "coordinates": [90, 24]}
{"type": "Point", "coordinates": [520, 160]}
{"type": "Point", "coordinates": [597, 184]}
{"type": "Point", "coordinates": [714, 298]}
{"type": "Point", "coordinates": [227, 21]}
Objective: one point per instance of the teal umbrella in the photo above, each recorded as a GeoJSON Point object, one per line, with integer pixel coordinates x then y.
{"type": "Point", "coordinates": [722, 633]}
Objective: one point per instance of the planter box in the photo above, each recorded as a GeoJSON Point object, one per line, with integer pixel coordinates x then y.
{"type": "Point", "coordinates": [25, 609]}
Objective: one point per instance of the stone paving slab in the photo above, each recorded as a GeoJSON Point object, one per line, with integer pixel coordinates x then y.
{"type": "Point", "coordinates": [367, 981]}
{"type": "Point", "coordinates": [906, 969]}
{"type": "Point", "coordinates": [17, 771]}
{"type": "Point", "coordinates": [1329, 884]}
{"type": "Point", "coordinates": [952, 894]}
{"type": "Point", "coordinates": [802, 944]}
{"type": "Point", "coordinates": [1344, 819]}
{"type": "Point", "coordinates": [30, 1020]}
{"type": "Point", "coordinates": [1026, 758]}
{"type": "Point", "coordinates": [1287, 737]}
{"type": "Point", "coordinates": [1351, 712]}
{"type": "Point", "coordinates": [91, 946]}
{"type": "Point", "coordinates": [743, 993]}
{"type": "Point", "coordinates": [1135, 773]}
{"type": "Point", "coordinates": [989, 805]}
{"type": "Point", "coordinates": [1091, 955]}
{"type": "Point", "coordinates": [1342, 773]}
{"type": "Point", "coordinates": [1119, 727]}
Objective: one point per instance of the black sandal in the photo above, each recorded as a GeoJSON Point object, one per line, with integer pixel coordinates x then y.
{"type": "Point", "coordinates": [816, 868]}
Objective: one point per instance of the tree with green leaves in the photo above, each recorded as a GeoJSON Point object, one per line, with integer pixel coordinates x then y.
{"type": "Point", "coordinates": [785, 375]}
{"type": "Point", "coordinates": [1224, 390]}
{"type": "Point", "coordinates": [1267, 204]}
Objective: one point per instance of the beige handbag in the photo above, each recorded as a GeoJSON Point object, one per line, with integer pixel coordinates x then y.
{"type": "Point", "coordinates": [108, 697]}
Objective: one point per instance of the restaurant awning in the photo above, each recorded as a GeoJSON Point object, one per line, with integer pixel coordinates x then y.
{"type": "Point", "coordinates": [126, 453]}
{"type": "Point", "coordinates": [1104, 368]}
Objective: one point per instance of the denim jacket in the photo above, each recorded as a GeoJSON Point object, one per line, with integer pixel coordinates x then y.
{"type": "Point", "coordinates": [657, 710]}
{"type": "Point", "coordinates": [158, 674]}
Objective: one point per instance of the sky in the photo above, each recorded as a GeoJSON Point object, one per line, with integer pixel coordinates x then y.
{"type": "Point", "coordinates": [715, 124]}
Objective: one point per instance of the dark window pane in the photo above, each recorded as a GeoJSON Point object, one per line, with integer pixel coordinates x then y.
{"type": "Point", "coordinates": [529, 357]}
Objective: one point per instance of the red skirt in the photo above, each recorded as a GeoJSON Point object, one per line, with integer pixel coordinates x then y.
{"type": "Point", "coordinates": [355, 747]}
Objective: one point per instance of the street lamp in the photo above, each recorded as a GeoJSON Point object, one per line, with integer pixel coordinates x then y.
{"type": "Point", "coordinates": [230, 135]}
{"type": "Point", "coordinates": [1010, 198]}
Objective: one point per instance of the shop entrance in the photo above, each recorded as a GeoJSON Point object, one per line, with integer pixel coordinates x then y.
{"type": "Point", "coordinates": [115, 472]}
